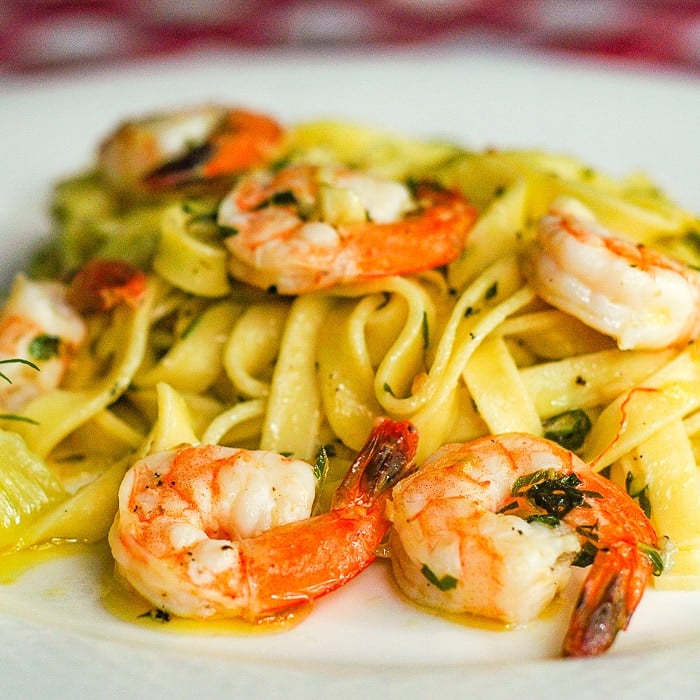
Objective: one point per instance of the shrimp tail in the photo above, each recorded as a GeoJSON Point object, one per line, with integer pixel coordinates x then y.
{"type": "Point", "coordinates": [609, 597]}
{"type": "Point", "coordinates": [325, 552]}
{"type": "Point", "coordinates": [180, 170]}
{"type": "Point", "coordinates": [386, 457]}
{"type": "Point", "coordinates": [243, 140]}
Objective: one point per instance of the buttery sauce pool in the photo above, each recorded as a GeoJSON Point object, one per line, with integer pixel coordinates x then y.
{"type": "Point", "coordinates": [124, 603]}
{"type": "Point", "coordinates": [121, 601]}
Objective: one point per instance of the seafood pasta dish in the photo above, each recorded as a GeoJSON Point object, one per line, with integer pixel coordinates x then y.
{"type": "Point", "coordinates": [253, 357]}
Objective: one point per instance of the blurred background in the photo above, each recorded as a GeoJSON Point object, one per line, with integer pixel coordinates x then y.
{"type": "Point", "coordinates": [39, 36]}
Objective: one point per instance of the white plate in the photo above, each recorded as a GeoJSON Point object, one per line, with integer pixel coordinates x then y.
{"type": "Point", "coordinates": [362, 641]}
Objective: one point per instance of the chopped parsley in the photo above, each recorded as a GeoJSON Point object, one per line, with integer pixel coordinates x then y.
{"type": "Point", "coordinates": [156, 614]}
{"type": "Point", "coordinates": [586, 555]}
{"type": "Point", "coordinates": [641, 496]}
{"type": "Point", "coordinates": [445, 583]}
{"type": "Point", "coordinates": [227, 231]}
{"type": "Point", "coordinates": [568, 429]}
{"type": "Point", "coordinates": [555, 493]}
{"type": "Point", "coordinates": [44, 347]}
{"type": "Point", "coordinates": [491, 291]}
{"type": "Point", "coordinates": [283, 198]}
{"type": "Point", "coordinates": [321, 464]}
{"type": "Point", "coordinates": [544, 518]}
{"type": "Point", "coordinates": [654, 556]}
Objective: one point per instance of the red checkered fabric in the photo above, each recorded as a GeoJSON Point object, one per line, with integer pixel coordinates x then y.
{"type": "Point", "coordinates": [38, 35]}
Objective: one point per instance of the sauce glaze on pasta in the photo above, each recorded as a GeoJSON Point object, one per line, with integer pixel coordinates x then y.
{"type": "Point", "coordinates": [461, 351]}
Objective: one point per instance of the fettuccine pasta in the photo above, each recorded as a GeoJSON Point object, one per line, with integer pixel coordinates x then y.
{"type": "Point", "coordinates": [462, 350]}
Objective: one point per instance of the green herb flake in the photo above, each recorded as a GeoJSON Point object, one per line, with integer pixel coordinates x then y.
{"type": "Point", "coordinates": [22, 419]}
{"type": "Point", "coordinates": [491, 291]}
{"type": "Point", "coordinates": [568, 429]}
{"type": "Point", "coordinates": [590, 532]}
{"type": "Point", "coordinates": [555, 493]}
{"type": "Point", "coordinates": [641, 495]}
{"type": "Point", "coordinates": [508, 507]}
{"type": "Point", "coordinates": [654, 557]}
{"type": "Point", "coordinates": [199, 210]}
{"type": "Point", "coordinates": [388, 389]}
{"type": "Point", "coordinates": [549, 520]}
{"type": "Point", "coordinates": [426, 331]}
{"type": "Point", "coordinates": [156, 614]}
{"type": "Point", "coordinates": [280, 164]}
{"type": "Point", "coordinates": [445, 583]}
{"type": "Point", "coordinates": [522, 482]}
{"type": "Point", "coordinates": [15, 360]}
{"type": "Point", "coordinates": [227, 231]}
{"type": "Point", "coordinates": [586, 555]}
{"type": "Point", "coordinates": [321, 464]}
{"type": "Point", "coordinates": [692, 238]}
{"type": "Point", "coordinates": [44, 347]}
{"type": "Point", "coordinates": [283, 198]}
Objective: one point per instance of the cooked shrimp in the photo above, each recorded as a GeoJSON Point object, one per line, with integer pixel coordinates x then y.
{"type": "Point", "coordinates": [309, 227]}
{"type": "Point", "coordinates": [37, 325]}
{"type": "Point", "coordinates": [101, 285]}
{"type": "Point", "coordinates": [640, 297]}
{"type": "Point", "coordinates": [211, 531]}
{"type": "Point", "coordinates": [167, 150]}
{"type": "Point", "coordinates": [491, 528]}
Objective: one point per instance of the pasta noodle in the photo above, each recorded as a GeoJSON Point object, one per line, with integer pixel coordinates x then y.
{"type": "Point", "coordinates": [461, 351]}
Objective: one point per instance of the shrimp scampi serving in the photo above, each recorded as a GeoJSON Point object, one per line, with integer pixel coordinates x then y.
{"type": "Point", "coordinates": [211, 532]}
{"type": "Point", "coordinates": [491, 527]}
{"type": "Point", "coordinates": [224, 298]}
{"type": "Point", "coordinates": [164, 151]}
{"type": "Point", "coordinates": [37, 325]}
{"type": "Point", "coordinates": [639, 296]}
{"type": "Point", "coordinates": [309, 227]}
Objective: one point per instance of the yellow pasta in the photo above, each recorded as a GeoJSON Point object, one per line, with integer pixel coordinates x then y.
{"type": "Point", "coordinates": [494, 382]}
{"type": "Point", "coordinates": [462, 350]}
{"type": "Point", "coordinates": [664, 469]}
{"type": "Point", "coordinates": [293, 413]}
{"type": "Point", "coordinates": [191, 263]}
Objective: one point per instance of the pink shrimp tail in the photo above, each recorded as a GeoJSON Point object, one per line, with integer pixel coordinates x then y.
{"type": "Point", "coordinates": [610, 595]}
{"type": "Point", "coordinates": [384, 459]}
{"type": "Point", "coordinates": [325, 552]}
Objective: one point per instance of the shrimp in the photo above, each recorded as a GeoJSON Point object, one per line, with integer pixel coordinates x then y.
{"type": "Point", "coordinates": [492, 527]}
{"type": "Point", "coordinates": [163, 151]}
{"type": "Point", "coordinates": [100, 285]}
{"type": "Point", "coordinates": [640, 297]}
{"type": "Point", "coordinates": [215, 532]}
{"type": "Point", "coordinates": [309, 227]}
{"type": "Point", "coordinates": [42, 330]}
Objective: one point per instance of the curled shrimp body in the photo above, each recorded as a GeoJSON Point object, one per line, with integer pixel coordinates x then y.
{"type": "Point", "coordinates": [491, 527]}
{"type": "Point", "coordinates": [640, 297]}
{"type": "Point", "coordinates": [100, 285]}
{"type": "Point", "coordinates": [309, 227]}
{"type": "Point", "coordinates": [38, 325]}
{"type": "Point", "coordinates": [161, 151]}
{"type": "Point", "coordinates": [210, 531]}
